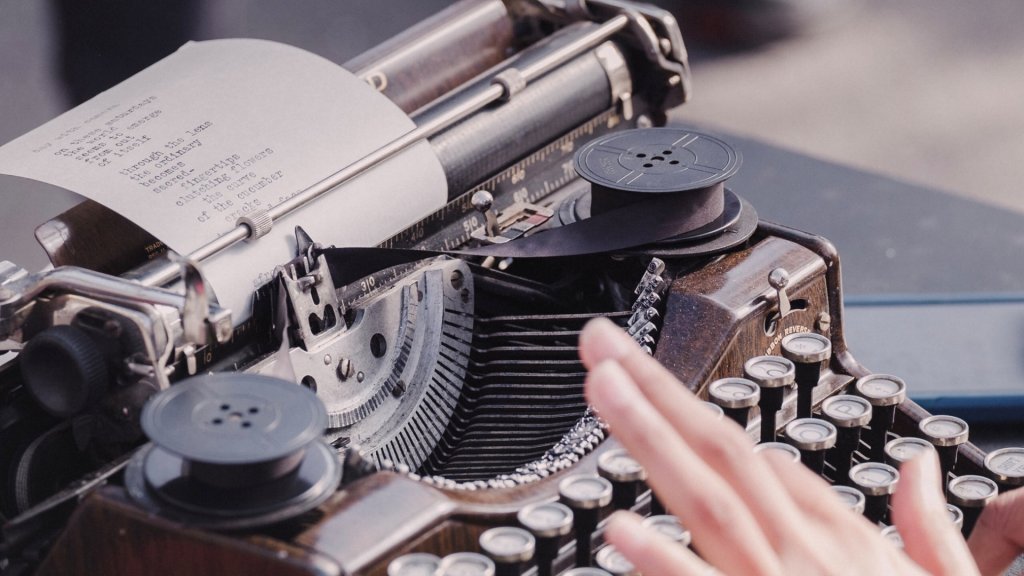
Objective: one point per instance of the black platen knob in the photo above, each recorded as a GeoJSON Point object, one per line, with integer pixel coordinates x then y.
{"type": "Point", "coordinates": [549, 522]}
{"type": "Point", "coordinates": [625, 474]}
{"type": "Point", "coordinates": [736, 396]}
{"type": "Point", "coordinates": [877, 482]}
{"type": "Point", "coordinates": [585, 495]}
{"type": "Point", "coordinates": [812, 437]}
{"type": "Point", "coordinates": [64, 370]}
{"type": "Point", "coordinates": [807, 350]}
{"type": "Point", "coordinates": [946, 433]}
{"type": "Point", "coordinates": [971, 493]}
{"type": "Point", "coordinates": [773, 374]}
{"type": "Point", "coordinates": [848, 414]}
{"type": "Point", "coordinates": [884, 392]}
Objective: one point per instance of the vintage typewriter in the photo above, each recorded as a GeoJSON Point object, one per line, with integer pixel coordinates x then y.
{"type": "Point", "coordinates": [436, 424]}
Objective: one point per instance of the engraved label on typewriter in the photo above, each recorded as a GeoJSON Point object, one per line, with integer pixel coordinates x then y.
{"type": "Point", "coordinates": [774, 345]}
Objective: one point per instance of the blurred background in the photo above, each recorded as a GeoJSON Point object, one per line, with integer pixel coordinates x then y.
{"type": "Point", "coordinates": [929, 91]}
{"type": "Point", "coordinates": [894, 127]}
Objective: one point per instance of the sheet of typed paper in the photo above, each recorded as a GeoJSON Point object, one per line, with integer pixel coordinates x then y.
{"type": "Point", "coordinates": [223, 128]}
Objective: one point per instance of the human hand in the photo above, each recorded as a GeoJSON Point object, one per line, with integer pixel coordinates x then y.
{"type": "Point", "coordinates": [749, 514]}
{"type": "Point", "coordinates": [998, 537]}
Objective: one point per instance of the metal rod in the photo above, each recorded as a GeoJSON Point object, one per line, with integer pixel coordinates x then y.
{"type": "Point", "coordinates": [430, 122]}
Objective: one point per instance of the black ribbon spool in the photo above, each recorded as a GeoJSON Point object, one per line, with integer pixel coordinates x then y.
{"type": "Point", "coordinates": [634, 166]}
{"type": "Point", "coordinates": [233, 451]}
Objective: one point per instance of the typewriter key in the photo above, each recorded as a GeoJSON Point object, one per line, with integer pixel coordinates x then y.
{"type": "Point", "coordinates": [1006, 467]}
{"type": "Point", "coordinates": [971, 493]}
{"type": "Point", "coordinates": [778, 447]}
{"type": "Point", "coordinates": [670, 527]}
{"type": "Point", "coordinates": [812, 437]}
{"type": "Point", "coordinates": [613, 562]}
{"type": "Point", "coordinates": [586, 572]}
{"type": "Point", "coordinates": [851, 497]}
{"type": "Point", "coordinates": [899, 450]}
{"type": "Point", "coordinates": [877, 482]}
{"type": "Point", "coordinates": [807, 350]}
{"type": "Point", "coordinates": [736, 396]}
{"type": "Point", "coordinates": [772, 374]}
{"type": "Point", "coordinates": [848, 414]}
{"type": "Point", "coordinates": [716, 409]}
{"type": "Point", "coordinates": [415, 564]}
{"type": "Point", "coordinates": [465, 564]}
{"type": "Point", "coordinates": [625, 474]}
{"type": "Point", "coordinates": [509, 547]}
{"type": "Point", "coordinates": [233, 451]}
{"type": "Point", "coordinates": [946, 433]}
{"type": "Point", "coordinates": [884, 392]}
{"type": "Point", "coordinates": [585, 495]}
{"type": "Point", "coordinates": [956, 516]}
{"type": "Point", "coordinates": [548, 522]}
{"type": "Point", "coordinates": [892, 534]}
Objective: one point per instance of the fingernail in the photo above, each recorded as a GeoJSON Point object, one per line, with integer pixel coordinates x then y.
{"type": "Point", "coordinates": [930, 485]}
{"type": "Point", "coordinates": [624, 524]}
{"type": "Point", "coordinates": [607, 385]}
{"type": "Point", "coordinates": [605, 340]}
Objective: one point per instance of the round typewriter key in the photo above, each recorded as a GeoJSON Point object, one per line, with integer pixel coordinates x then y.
{"type": "Point", "coordinates": [848, 414]}
{"type": "Point", "coordinates": [788, 449]}
{"type": "Point", "coordinates": [509, 547]}
{"type": "Point", "coordinates": [416, 564]}
{"type": "Point", "coordinates": [892, 534]}
{"type": "Point", "coordinates": [465, 564]}
{"type": "Point", "coordinates": [877, 482]}
{"type": "Point", "coordinates": [946, 433]}
{"type": "Point", "coordinates": [851, 497]}
{"type": "Point", "coordinates": [899, 450]}
{"type": "Point", "coordinates": [669, 526]}
{"type": "Point", "coordinates": [613, 562]}
{"type": "Point", "coordinates": [807, 350]}
{"type": "Point", "coordinates": [812, 437]}
{"type": "Point", "coordinates": [716, 409]}
{"type": "Point", "coordinates": [772, 374]}
{"type": "Point", "coordinates": [1006, 466]}
{"type": "Point", "coordinates": [625, 474]}
{"type": "Point", "coordinates": [586, 572]}
{"type": "Point", "coordinates": [956, 516]}
{"type": "Point", "coordinates": [585, 495]}
{"type": "Point", "coordinates": [884, 392]}
{"type": "Point", "coordinates": [736, 396]}
{"type": "Point", "coordinates": [971, 493]}
{"type": "Point", "coordinates": [548, 522]}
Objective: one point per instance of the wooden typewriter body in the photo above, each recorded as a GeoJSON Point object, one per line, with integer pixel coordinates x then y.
{"type": "Point", "coordinates": [722, 299]}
